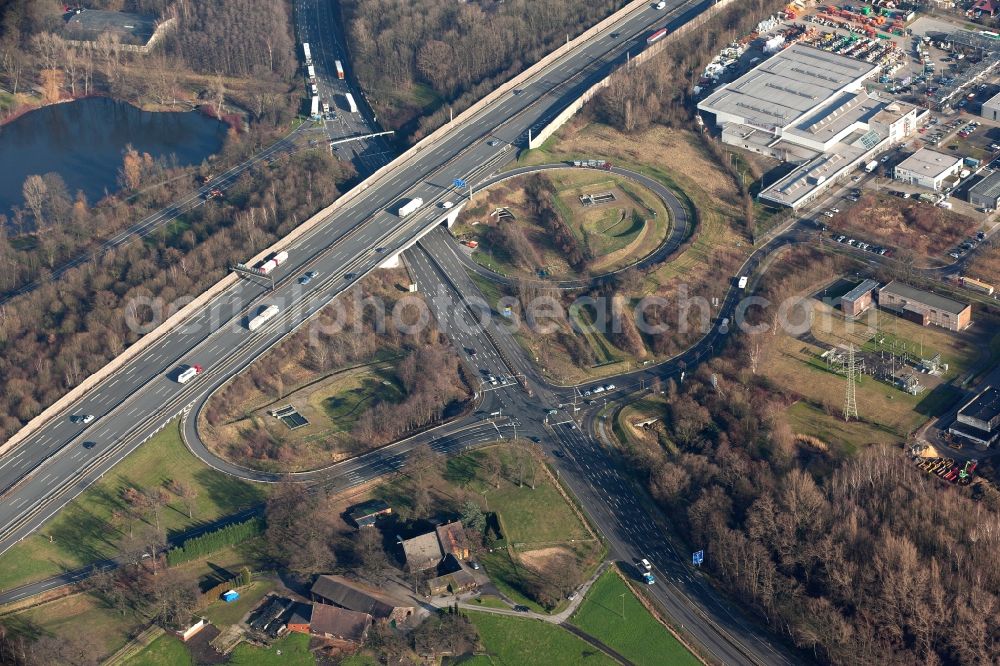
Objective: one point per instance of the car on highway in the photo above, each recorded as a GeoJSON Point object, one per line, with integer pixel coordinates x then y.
{"type": "Point", "coordinates": [598, 389]}
{"type": "Point", "coordinates": [609, 387]}
{"type": "Point", "coordinates": [350, 276]}
{"type": "Point", "coordinates": [660, 5]}
{"type": "Point", "coordinates": [380, 250]}
{"type": "Point", "coordinates": [89, 445]}
{"type": "Point", "coordinates": [558, 454]}
{"type": "Point", "coordinates": [447, 204]}
{"type": "Point", "coordinates": [648, 578]}
{"type": "Point", "coordinates": [493, 143]}
{"type": "Point", "coordinates": [308, 277]}
{"type": "Point", "coordinates": [82, 418]}
{"type": "Point", "coordinates": [518, 92]}
{"type": "Point", "coordinates": [644, 563]}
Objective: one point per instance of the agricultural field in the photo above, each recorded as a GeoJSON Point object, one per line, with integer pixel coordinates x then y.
{"type": "Point", "coordinates": [87, 529]}
{"type": "Point", "coordinates": [512, 640]}
{"type": "Point", "coordinates": [614, 615]}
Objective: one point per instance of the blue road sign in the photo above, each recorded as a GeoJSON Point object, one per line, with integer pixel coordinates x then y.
{"type": "Point", "coordinates": [697, 558]}
{"type": "Point", "coordinates": [458, 182]}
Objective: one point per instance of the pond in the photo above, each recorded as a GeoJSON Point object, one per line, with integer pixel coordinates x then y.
{"type": "Point", "coordinates": [84, 141]}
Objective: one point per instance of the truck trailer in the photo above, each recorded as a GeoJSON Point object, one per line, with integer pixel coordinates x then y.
{"type": "Point", "coordinates": [307, 53]}
{"type": "Point", "coordinates": [188, 373]}
{"type": "Point", "coordinates": [351, 104]}
{"type": "Point", "coordinates": [314, 107]}
{"type": "Point", "coordinates": [262, 318]}
{"type": "Point", "coordinates": [340, 69]}
{"type": "Point", "coordinates": [976, 285]}
{"type": "Point", "coordinates": [410, 206]}
{"type": "Point", "coordinates": [656, 36]}
{"type": "Point", "coordinates": [311, 70]}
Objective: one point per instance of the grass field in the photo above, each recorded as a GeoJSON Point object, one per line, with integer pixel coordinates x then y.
{"type": "Point", "coordinates": [613, 614]}
{"type": "Point", "coordinates": [292, 650]}
{"type": "Point", "coordinates": [843, 437]}
{"type": "Point", "coordinates": [222, 614]}
{"type": "Point", "coordinates": [616, 233]}
{"type": "Point", "coordinates": [79, 614]}
{"type": "Point", "coordinates": [511, 641]}
{"type": "Point", "coordinates": [83, 531]}
{"type": "Point", "coordinates": [890, 413]}
{"type": "Point", "coordinates": [531, 515]}
{"type": "Point", "coordinates": [166, 650]}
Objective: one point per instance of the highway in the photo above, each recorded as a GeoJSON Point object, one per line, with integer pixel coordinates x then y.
{"type": "Point", "coordinates": [63, 458]}
{"type": "Point", "coordinates": [53, 464]}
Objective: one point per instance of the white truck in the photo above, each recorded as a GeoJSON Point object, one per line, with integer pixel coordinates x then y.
{"type": "Point", "coordinates": [351, 104]}
{"type": "Point", "coordinates": [262, 318]}
{"type": "Point", "coordinates": [410, 206]}
{"type": "Point", "coordinates": [311, 70]}
{"type": "Point", "coordinates": [187, 373]}
{"type": "Point", "coordinates": [307, 53]}
{"type": "Point", "coordinates": [314, 107]}
{"type": "Point", "coordinates": [871, 166]}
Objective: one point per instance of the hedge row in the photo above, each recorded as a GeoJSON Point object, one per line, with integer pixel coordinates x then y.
{"type": "Point", "coordinates": [207, 544]}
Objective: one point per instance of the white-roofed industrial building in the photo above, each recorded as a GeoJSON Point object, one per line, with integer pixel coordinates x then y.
{"type": "Point", "coordinates": [928, 168]}
{"type": "Point", "coordinates": [809, 107]}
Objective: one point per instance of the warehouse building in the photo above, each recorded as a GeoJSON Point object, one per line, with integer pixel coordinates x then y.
{"type": "Point", "coordinates": [979, 419]}
{"type": "Point", "coordinates": [991, 108]}
{"type": "Point", "coordinates": [985, 194]}
{"type": "Point", "coordinates": [808, 107]}
{"type": "Point", "coordinates": [928, 168]}
{"type": "Point", "coordinates": [924, 307]}
{"type": "Point", "coordinates": [859, 299]}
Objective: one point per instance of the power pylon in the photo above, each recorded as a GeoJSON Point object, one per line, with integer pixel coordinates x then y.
{"type": "Point", "coordinates": [850, 399]}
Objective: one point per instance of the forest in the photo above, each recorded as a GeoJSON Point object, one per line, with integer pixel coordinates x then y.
{"type": "Point", "coordinates": [35, 49]}
{"type": "Point", "coordinates": [460, 51]}
{"type": "Point", "coordinates": [857, 559]}
{"type": "Point", "coordinates": [54, 337]}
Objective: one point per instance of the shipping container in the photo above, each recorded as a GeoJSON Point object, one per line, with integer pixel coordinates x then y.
{"type": "Point", "coordinates": [261, 319]}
